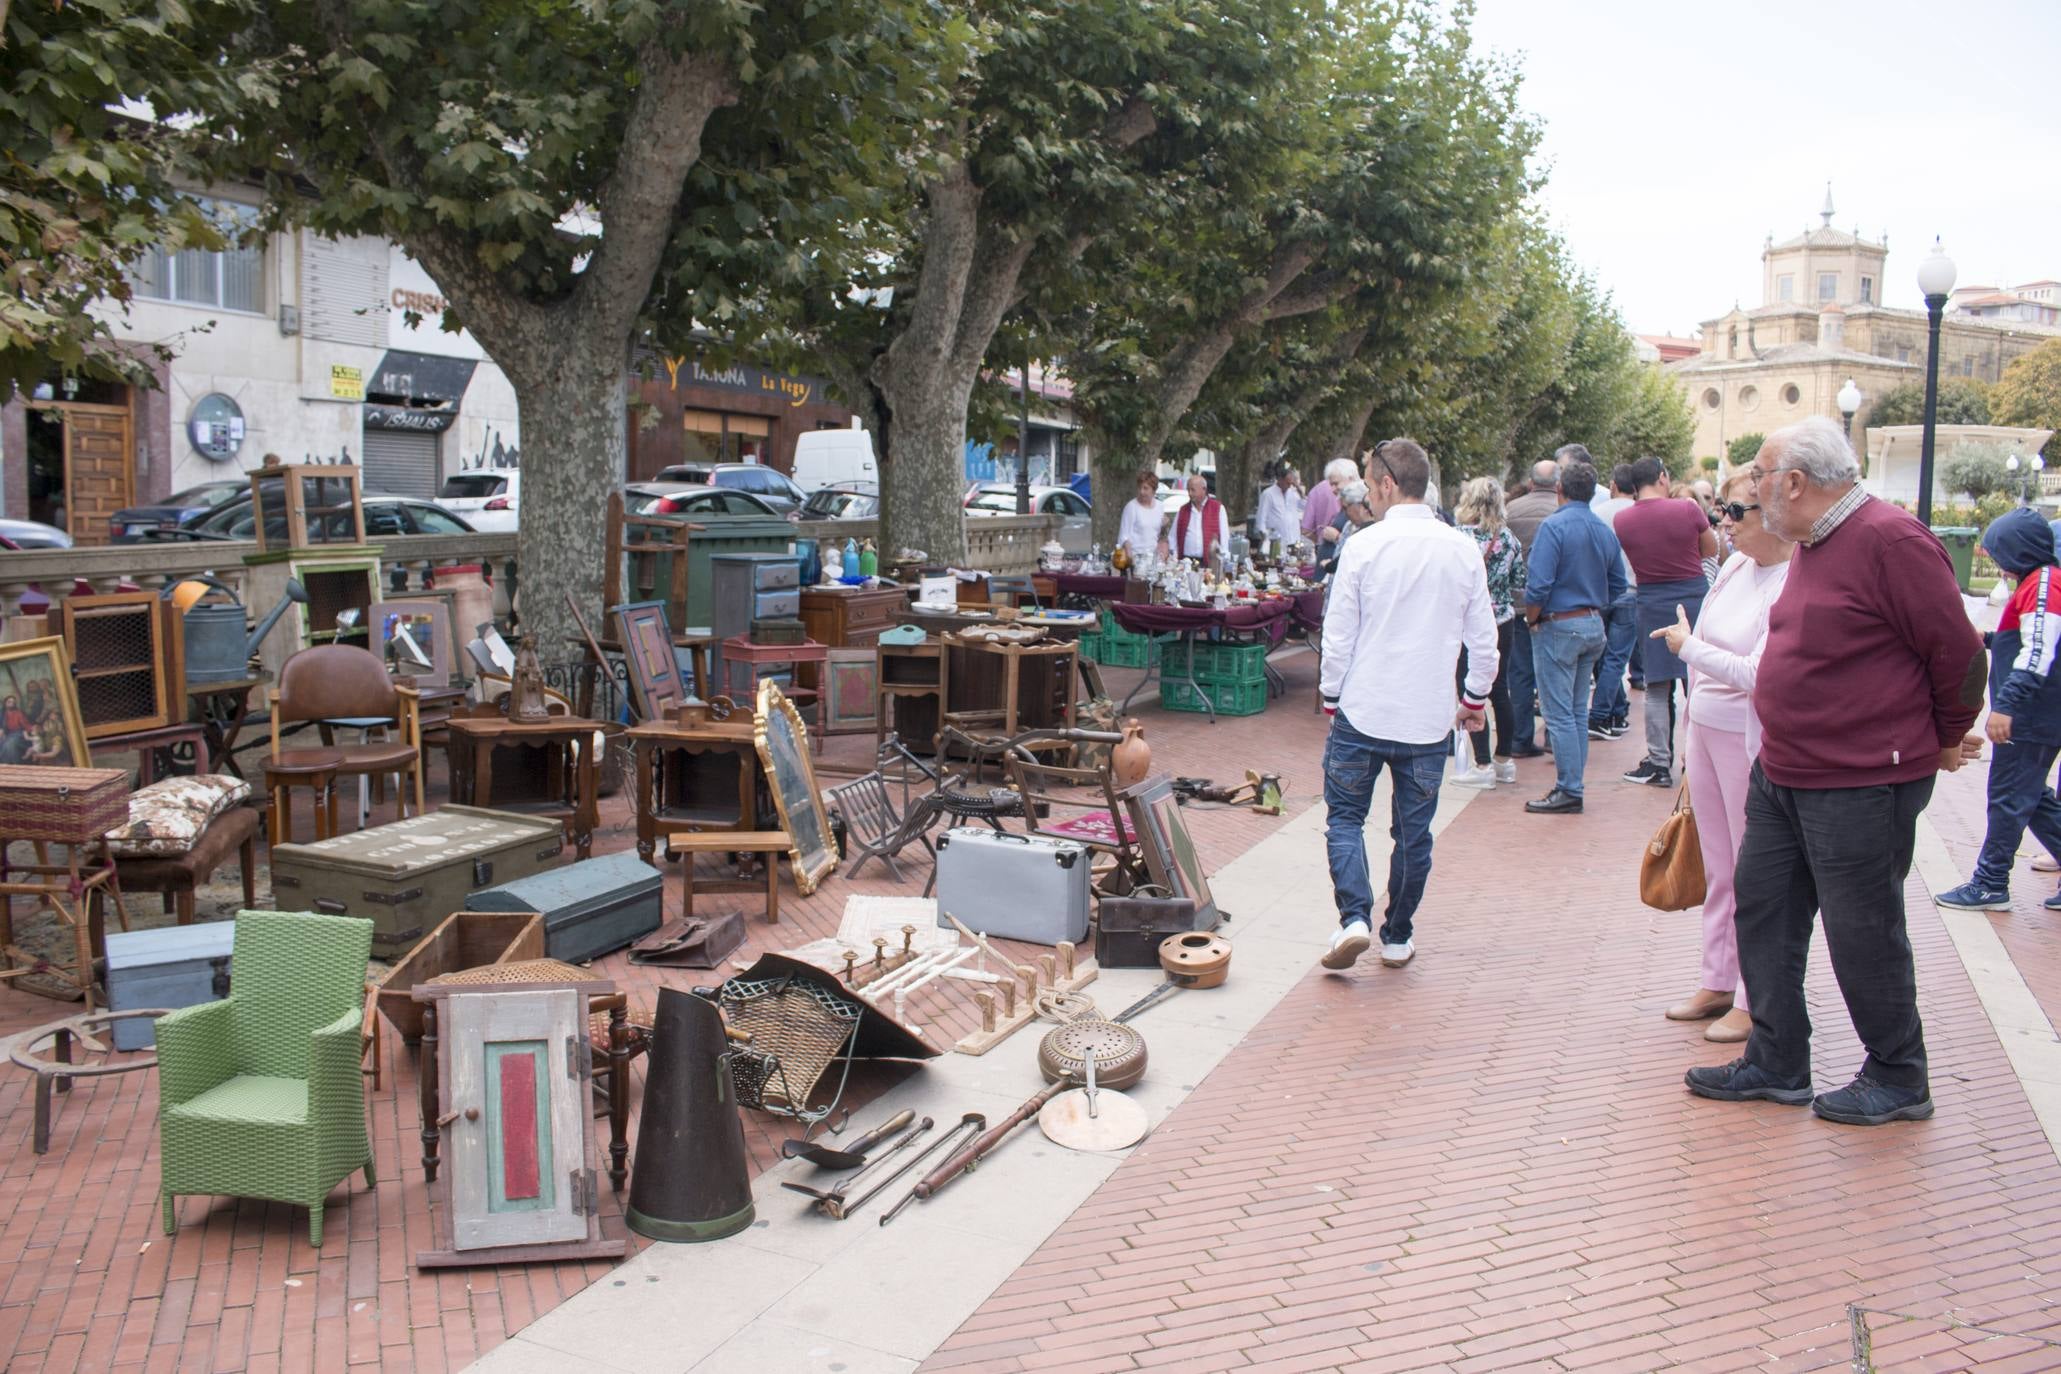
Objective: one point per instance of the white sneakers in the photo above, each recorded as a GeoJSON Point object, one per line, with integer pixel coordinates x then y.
{"type": "Point", "coordinates": [1506, 770]}
{"type": "Point", "coordinates": [1351, 940]}
{"type": "Point", "coordinates": [1348, 943]}
{"type": "Point", "coordinates": [1483, 778]}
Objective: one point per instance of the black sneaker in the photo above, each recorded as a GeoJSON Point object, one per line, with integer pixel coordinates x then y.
{"type": "Point", "coordinates": [1865, 1102]}
{"type": "Point", "coordinates": [1740, 1081]}
{"type": "Point", "coordinates": [1659, 777]}
{"type": "Point", "coordinates": [1525, 749]}
{"type": "Point", "coordinates": [1645, 772]}
{"type": "Point", "coordinates": [1600, 729]}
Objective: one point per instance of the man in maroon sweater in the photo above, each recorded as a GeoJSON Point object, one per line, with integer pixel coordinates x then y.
{"type": "Point", "coordinates": [1871, 677]}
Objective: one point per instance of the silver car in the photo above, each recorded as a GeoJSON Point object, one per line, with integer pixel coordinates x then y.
{"type": "Point", "coordinates": [1076, 519]}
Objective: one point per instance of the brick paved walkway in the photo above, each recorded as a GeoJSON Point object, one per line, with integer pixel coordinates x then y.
{"type": "Point", "coordinates": [1487, 1161]}
{"type": "Point", "coordinates": [89, 1281]}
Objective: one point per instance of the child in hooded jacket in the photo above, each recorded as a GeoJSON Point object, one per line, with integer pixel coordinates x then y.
{"type": "Point", "coordinates": [2025, 712]}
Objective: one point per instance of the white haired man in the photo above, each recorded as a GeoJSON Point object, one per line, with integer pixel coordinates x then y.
{"type": "Point", "coordinates": [1869, 681]}
{"type": "Point", "coordinates": [1323, 519]}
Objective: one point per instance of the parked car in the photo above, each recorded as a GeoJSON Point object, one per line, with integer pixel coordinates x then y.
{"type": "Point", "coordinates": [843, 501]}
{"type": "Point", "coordinates": [385, 517]}
{"type": "Point", "coordinates": [140, 522]}
{"type": "Point", "coordinates": [32, 534]}
{"type": "Point", "coordinates": [833, 457]}
{"type": "Point", "coordinates": [693, 498]}
{"type": "Point", "coordinates": [769, 484]}
{"type": "Point", "coordinates": [484, 500]}
{"type": "Point", "coordinates": [1076, 524]}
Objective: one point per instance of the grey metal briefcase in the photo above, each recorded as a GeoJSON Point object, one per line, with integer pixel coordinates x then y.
{"type": "Point", "coordinates": [1018, 887]}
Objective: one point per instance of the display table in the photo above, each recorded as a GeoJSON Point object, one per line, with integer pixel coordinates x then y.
{"type": "Point", "coordinates": [220, 709]}
{"type": "Point", "coordinates": [1090, 586]}
{"type": "Point", "coordinates": [1249, 621]}
{"type": "Point", "coordinates": [685, 774]}
{"type": "Point", "coordinates": [568, 785]}
{"type": "Point", "coordinates": [1307, 614]}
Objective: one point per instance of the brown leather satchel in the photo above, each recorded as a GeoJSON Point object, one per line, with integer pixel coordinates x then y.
{"type": "Point", "coordinates": [1671, 871]}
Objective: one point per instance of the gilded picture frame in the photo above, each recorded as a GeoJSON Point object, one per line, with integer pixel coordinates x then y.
{"type": "Point", "coordinates": [1171, 859]}
{"type": "Point", "coordinates": [40, 725]}
{"type": "Point", "coordinates": [783, 747]}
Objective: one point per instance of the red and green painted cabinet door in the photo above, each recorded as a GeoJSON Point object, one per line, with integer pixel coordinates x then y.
{"type": "Point", "coordinates": [518, 1084]}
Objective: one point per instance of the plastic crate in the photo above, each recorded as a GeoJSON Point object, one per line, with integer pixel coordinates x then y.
{"type": "Point", "coordinates": [1122, 650]}
{"type": "Point", "coordinates": [1090, 645]}
{"type": "Point", "coordinates": [1229, 698]}
{"type": "Point", "coordinates": [1235, 663]}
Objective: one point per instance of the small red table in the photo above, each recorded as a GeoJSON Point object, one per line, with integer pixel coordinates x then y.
{"type": "Point", "coordinates": [740, 651]}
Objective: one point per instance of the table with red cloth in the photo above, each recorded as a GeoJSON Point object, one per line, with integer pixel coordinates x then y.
{"type": "Point", "coordinates": [1248, 621]}
{"type": "Point", "coordinates": [1307, 615]}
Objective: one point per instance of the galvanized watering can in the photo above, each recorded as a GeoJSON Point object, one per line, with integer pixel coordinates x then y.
{"type": "Point", "coordinates": [218, 648]}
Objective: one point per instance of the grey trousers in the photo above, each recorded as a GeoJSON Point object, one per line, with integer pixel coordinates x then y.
{"type": "Point", "coordinates": [1660, 724]}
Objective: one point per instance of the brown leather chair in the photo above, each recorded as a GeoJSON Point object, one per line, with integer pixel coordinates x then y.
{"type": "Point", "coordinates": [341, 681]}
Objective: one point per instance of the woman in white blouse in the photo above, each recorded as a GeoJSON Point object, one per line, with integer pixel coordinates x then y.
{"type": "Point", "coordinates": [1723, 654]}
{"type": "Point", "coordinates": [1139, 531]}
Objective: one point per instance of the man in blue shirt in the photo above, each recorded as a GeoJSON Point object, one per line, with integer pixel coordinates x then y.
{"type": "Point", "coordinates": [1577, 572]}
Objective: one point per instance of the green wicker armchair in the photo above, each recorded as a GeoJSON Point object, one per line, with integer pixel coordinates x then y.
{"type": "Point", "coordinates": [260, 1095]}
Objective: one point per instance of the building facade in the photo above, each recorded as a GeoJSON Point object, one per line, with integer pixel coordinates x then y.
{"type": "Point", "coordinates": [1820, 323]}
{"type": "Point", "coordinates": [684, 411]}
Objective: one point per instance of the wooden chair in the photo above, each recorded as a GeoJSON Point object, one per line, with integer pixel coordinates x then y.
{"type": "Point", "coordinates": [1097, 819]}
{"type": "Point", "coordinates": [341, 682]}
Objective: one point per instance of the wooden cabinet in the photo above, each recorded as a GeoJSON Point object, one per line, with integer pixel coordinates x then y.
{"type": "Point", "coordinates": [850, 619]}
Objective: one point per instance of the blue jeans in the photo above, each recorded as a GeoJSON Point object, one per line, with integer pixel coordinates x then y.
{"type": "Point", "coordinates": [2019, 799]}
{"type": "Point", "coordinates": [1352, 765]}
{"type": "Point", "coordinates": [1620, 637]}
{"type": "Point", "coordinates": [1564, 655]}
{"type": "Point", "coordinates": [1523, 685]}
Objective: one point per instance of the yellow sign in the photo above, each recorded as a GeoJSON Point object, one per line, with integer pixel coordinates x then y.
{"type": "Point", "coordinates": [346, 383]}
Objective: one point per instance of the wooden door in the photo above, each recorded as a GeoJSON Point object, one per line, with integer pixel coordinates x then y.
{"type": "Point", "coordinates": [520, 1075]}
{"type": "Point", "coordinates": [99, 469]}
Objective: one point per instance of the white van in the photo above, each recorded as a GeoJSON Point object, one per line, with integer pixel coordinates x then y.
{"type": "Point", "coordinates": [823, 456]}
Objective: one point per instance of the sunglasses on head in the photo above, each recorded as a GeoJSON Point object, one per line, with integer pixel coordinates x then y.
{"type": "Point", "coordinates": [1737, 511]}
{"type": "Point", "coordinates": [1382, 459]}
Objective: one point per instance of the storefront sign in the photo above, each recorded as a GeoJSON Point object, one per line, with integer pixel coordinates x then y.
{"type": "Point", "coordinates": [795, 391]}
{"type": "Point", "coordinates": [404, 417]}
{"type": "Point", "coordinates": [215, 427]}
{"type": "Point", "coordinates": [346, 383]}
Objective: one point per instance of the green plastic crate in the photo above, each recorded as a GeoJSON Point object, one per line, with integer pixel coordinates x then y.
{"type": "Point", "coordinates": [1090, 645]}
{"type": "Point", "coordinates": [1122, 650]}
{"type": "Point", "coordinates": [1235, 663]}
{"type": "Point", "coordinates": [1229, 698]}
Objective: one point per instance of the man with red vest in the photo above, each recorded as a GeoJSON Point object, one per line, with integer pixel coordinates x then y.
{"type": "Point", "coordinates": [1203, 538]}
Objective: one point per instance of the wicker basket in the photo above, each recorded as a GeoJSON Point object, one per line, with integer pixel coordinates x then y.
{"type": "Point", "coordinates": [61, 805]}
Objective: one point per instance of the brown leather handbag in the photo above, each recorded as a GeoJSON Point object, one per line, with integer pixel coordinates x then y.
{"type": "Point", "coordinates": [1671, 871]}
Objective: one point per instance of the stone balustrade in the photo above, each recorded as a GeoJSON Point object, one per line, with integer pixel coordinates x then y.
{"type": "Point", "coordinates": [999, 544]}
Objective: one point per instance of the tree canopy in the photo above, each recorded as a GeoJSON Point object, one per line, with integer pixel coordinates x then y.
{"type": "Point", "coordinates": [1962, 401]}
{"type": "Point", "coordinates": [2029, 395]}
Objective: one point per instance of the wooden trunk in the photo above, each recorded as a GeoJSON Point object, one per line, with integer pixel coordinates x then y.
{"type": "Point", "coordinates": [465, 939]}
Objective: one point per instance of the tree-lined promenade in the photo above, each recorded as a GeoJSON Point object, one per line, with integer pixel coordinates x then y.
{"type": "Point", "coordinates": [1263, 226]}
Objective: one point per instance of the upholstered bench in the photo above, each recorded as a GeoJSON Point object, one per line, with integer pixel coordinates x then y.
{"type": "Point", "coordinates": [177, 875]}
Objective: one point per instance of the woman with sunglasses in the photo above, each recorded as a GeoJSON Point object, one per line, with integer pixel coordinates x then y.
{"type": "Point", "coordinates": [1723, 655]}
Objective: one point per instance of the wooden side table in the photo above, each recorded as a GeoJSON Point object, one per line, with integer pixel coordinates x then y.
{"type": "Point", "coordinates": [571, 773]}
{"type": "Point", "coordinates": [741, 651]}
{"type": "Point", "coordinates": [220, 709]}
{"type": "Point", "coordinates": [771, 843]}
{"type": "Point", "coordinates": [915, 673]}
{"type": "Point", "coordinates": [152, 745]}
{"type": "Point", "coordinates": [666, 754]}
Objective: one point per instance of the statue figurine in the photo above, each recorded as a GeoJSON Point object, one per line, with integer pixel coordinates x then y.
{"type": "Point", "coordinates": [526, 701]}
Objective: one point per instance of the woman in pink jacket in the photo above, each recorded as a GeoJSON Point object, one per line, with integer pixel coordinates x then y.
{"type": "Point", "coordinates": [1723, 654]}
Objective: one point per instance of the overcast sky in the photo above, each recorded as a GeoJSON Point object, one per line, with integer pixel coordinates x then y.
{"type": "Point", "coordinates": [1677, 136]}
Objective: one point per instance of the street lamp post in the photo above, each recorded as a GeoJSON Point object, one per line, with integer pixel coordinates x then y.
{"type": "Point", "coordinates": [2032, 468]}
{"type": "Point", "coordinates": [1849, 400]}
{"type": "Point", "coordinates": [1935, 280]}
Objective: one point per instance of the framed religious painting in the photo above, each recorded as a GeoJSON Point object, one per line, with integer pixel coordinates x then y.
{"type": "Point", "coordinates": [654, 669]}
{"type": "Point", "coordinates": [39, 706]}
{"type": "Point", "coordinates": [1170, 854]}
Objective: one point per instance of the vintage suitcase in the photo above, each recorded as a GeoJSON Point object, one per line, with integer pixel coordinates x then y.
{"type": "Point", "coordinates": [170, 967]}
{"type": "Point", "coordinates": [1128, 930]}
{"type": "Point", "coordinates": [1020, 887]}
{"type": "Point", "coordinates": [408, 875]}
{"type": "Point", "coordinates": [590, 909]}
{"type": "Point", "coordinates": [61, 805]}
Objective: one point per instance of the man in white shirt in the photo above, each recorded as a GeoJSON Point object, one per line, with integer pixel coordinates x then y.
{"type": "Point", "coordinates": [1201, 529]}
{"type": "Point", "coordinates": [1138, 532]}
{"type": "Point", "coordinates": [1280, 509]}
{"type": "Point", "coordinates": [1408, 592]}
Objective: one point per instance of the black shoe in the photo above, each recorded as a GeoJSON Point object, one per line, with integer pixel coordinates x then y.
{"type": "Point", "coordinates": [1645, 772]}
{"type": "Point", "coordinates": [1864, 1102]}
{"type": "Point", "coordinates": [1555, 803]}
{"type": "Point", "coordinates": [1525, 749]}
{"type": "Point", "coordinates": [1600, 729]}
{"type": "Point", "coordinates": [1659, 777]}
{"type": "Point", "coordinates": [1740, 1081]}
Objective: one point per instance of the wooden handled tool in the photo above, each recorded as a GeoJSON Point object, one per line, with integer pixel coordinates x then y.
{"type": "Point", "coordinates": [970, 1156]}
{"type": "Point", "coordinates": [854, 1154]}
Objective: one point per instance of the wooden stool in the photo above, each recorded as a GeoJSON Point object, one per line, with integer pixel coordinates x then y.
{"type": "Point", "coordinates": [177, 875]}
{"type": "Point", "coordinates": [314, 769]}
{"type": "Point", "coordinates": [771, 843]}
